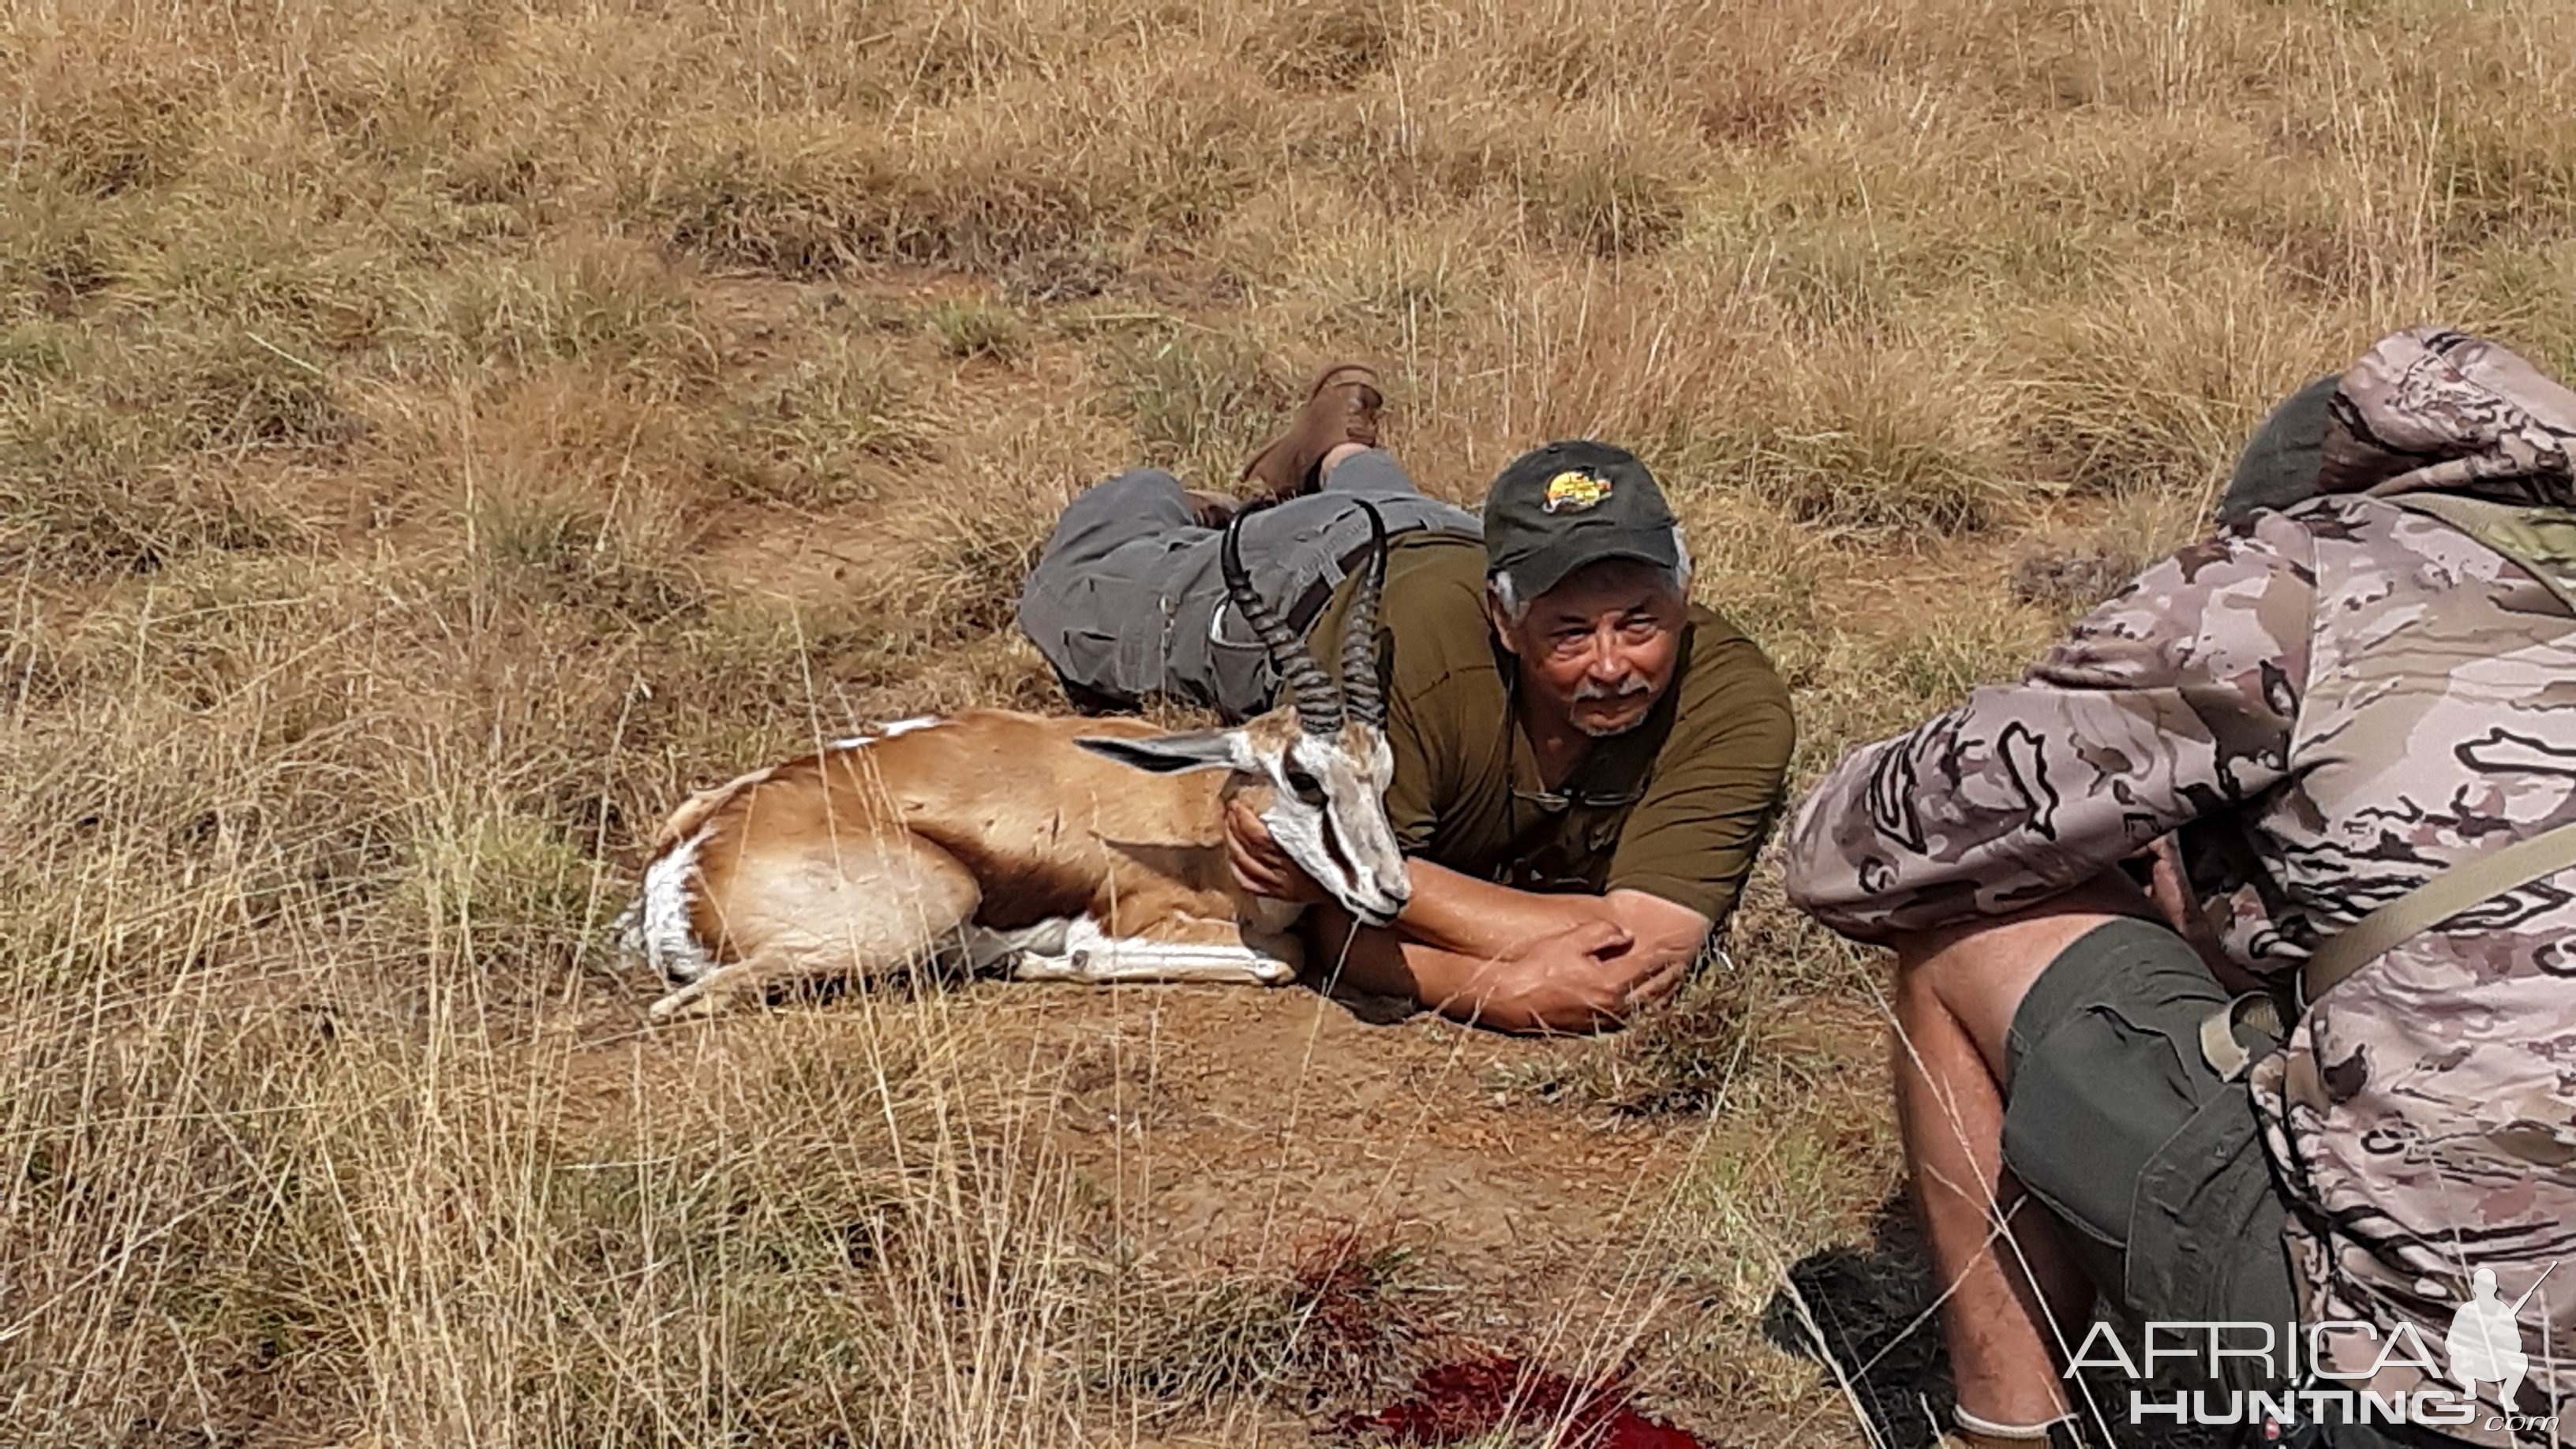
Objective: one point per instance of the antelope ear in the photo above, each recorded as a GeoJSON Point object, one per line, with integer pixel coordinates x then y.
{"type": "Point", "coordinates": [1171, 754]}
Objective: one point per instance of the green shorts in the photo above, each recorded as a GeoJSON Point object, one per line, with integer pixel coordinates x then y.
{"type": "Point", "coordinates": [2115, 1123]}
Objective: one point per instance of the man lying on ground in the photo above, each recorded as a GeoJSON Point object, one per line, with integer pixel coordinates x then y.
{"type": "Point", "coordinates": [2337, 703]}
{"type": "Point", "coordinates": [1586, 763]}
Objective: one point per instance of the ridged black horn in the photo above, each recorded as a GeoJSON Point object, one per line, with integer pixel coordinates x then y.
{"type": "Point", "coordinates": [1362, 696]}
{"type": "Point", "coordinates": [1319, 705]}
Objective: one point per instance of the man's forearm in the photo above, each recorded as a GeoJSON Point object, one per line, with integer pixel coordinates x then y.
{"type": "Point", "coordinates": [1380, 960]}
{"type": "Point", "coordinates": [1468, 917]}
{"type": "Point", "coordinates": [2163, 706]}
{"type": "Point", "coordinates": [1514, 960]}
{"type": "Point", "coordinates": [1485, 990]}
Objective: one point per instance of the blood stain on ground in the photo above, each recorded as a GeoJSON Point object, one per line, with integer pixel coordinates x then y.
{"type": "Point", "coordinates": [1458, 1402]}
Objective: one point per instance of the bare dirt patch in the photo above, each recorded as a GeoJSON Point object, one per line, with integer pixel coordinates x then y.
{"type": "Point", "coordinates": [1242, 1124]}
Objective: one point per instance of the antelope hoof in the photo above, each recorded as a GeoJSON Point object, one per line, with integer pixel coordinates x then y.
{"type": "Point", "coordinates": [692, 1002]}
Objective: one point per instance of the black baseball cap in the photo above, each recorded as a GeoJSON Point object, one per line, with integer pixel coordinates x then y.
{"type": "Point", "coordinates": [1561, 506]}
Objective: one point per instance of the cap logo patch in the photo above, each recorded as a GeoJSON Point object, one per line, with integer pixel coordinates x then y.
{"type": "Point", "coordinates": [1573, 491]}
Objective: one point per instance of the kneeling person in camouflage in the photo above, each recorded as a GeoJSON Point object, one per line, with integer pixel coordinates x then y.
{"type": "Point", "coordinates": [2334, 704]}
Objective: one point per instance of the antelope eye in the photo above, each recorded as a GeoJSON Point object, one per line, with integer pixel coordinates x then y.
{"type": "Point", "coordinates": [1306, 787]}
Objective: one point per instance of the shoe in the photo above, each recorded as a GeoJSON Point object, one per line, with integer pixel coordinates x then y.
{"type": "Point", "coordinates": [1341, 408]}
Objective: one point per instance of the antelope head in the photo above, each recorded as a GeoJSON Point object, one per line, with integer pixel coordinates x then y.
{"type": "Point", "coordinates": [1321, 757]}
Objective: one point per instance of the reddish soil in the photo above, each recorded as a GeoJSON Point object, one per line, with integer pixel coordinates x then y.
{"type": "Point", "coordinates": [1534, 1280]}
{"type": "Point", "coordinates": [1239, 1126]}
{"type": "Point", "coordinates": [1455, 1403]}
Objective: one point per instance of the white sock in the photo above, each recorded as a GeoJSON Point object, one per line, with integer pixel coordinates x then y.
{"type": "Point", "coordinates": [1988, 1428]}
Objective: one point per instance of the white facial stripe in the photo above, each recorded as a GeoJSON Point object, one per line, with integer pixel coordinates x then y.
{"type": "Point", "coordinates": [1297, 825]}
{"type": "Point", "coordinates": [1363, 831]}
{"type": "Point", "coordinates": [1347, 844]}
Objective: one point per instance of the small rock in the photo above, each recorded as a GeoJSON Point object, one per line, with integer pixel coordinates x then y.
{"type": "Point", "coordinates": [2075, 581]}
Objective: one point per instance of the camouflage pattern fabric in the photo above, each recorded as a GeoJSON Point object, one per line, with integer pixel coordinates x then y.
{"type": "Point", "coordinates": [2432, 408]}
{"type": "Point", "coordinates": [2333, 703]}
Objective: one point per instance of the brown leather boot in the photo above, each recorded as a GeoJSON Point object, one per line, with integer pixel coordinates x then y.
{"type": "Point", "coordinates": [1340, 408]}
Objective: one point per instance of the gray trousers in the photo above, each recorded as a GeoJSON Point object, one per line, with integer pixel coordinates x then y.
{"type": "Point", "coordinates": [1128, 599]}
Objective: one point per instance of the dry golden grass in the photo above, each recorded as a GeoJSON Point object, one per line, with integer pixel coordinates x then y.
{"type": "Point", "coordinates": [436, 435]}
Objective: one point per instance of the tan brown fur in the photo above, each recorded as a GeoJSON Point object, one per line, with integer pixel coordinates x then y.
{"type": "Point", "coordinates": [864, 857]}
{"type": "Point", "coordinates": [693, 812]}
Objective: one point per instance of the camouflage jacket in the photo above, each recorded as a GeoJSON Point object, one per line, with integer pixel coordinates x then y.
{"type": "Point", "coordinates": [2338, 701]}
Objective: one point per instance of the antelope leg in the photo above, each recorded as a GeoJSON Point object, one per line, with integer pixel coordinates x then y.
{"type": "Point", "coordinates": [1098, 959]}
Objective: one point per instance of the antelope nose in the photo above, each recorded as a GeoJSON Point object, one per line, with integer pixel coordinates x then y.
{"type": "Point", "coordinates": [1393, 897]}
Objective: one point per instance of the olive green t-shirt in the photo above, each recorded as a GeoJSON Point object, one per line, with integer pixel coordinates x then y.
{"type": "Point", "coordinates": [1677, 807]}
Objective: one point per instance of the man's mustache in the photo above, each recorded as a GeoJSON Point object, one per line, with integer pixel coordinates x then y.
{"type": "Point", "coordinates": [1632, 684]}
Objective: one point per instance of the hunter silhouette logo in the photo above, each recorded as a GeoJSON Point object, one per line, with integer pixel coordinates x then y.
{"type": "Point", "coordinates": [2485, 1341]}
{"type": "Point", "coordinates": [2320, 1373]}
{"type": "Point", "coordinates": [1572, 492]}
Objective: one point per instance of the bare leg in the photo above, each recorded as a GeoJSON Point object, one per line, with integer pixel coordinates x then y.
{"type": "Point", "coordinates": [2014, 1301]}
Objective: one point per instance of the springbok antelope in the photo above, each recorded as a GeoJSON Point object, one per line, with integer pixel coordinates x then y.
{"type": "Point", "coordinates": [1075, 849]}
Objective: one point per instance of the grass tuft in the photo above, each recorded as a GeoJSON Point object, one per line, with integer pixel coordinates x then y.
{"type": "Point", "coordinates": [605, 307]}
{"type": "Point", "coordinates": [119, 454]}
{"type": "Point", "coordinates": [786, 200]}
{"type": "Point", "coordinates": [975, 329]}
{"type": "Point", "coordinates": [1677, 1057]}
{"type": "Point", "coordinates": [820, 433]}
{"type": "Point", "coordinates": [1610, 199]}
{"type": "Point", "coordinates": [1877, 442]}
{"type": "Point", "coordinates": [1199, 403]}
{"type": "Point", "coordinates": [1321, 45]}
{"type": "Point", "coordinates": [107, 131]}
{"type": "Point", "coordinates": [53, 250]}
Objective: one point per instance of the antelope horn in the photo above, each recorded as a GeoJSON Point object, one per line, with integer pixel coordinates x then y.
{"type": "Point", "coordinates": [1362, 695]}
{"type": "Point", "coordinates": [1319, 707]}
